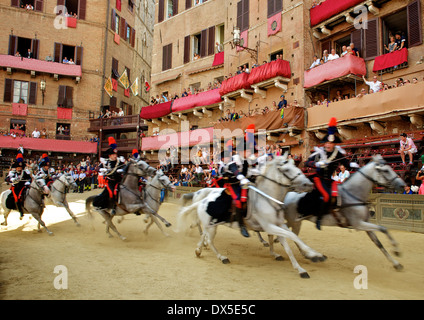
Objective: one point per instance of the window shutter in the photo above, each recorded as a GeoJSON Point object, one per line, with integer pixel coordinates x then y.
{"type": "Point", "coordinates": [278, 6]}
{"type": "Point", "coordinates": [415, 36]}
{"type": "Point", "coordinates": [169, 56]}
{"type": "Point", "coordinates": [15, 3]}
{"type": "Point", "coordinates": [271, 8]}
{"type": "Point", "coordinates": [175, 7]}
{"type": "Point", "coordinates": [161, 13]}
{"type": "Point", "coordinates": [245, 15]}
{"type": "Point", "coordinates": [60, 3]}
{"type": "Point", "coordinates": [240, 14]}
{"type": "Point", "coordinates": [187, 49]}
{"type": "Point", "coordinates": [68, 97]}
{"type": "Point", "coordinates": [35, 48]}
{"type": "Point", "coordinates": [211, 41]}
{"type": "Point", "coordinates": [61, 98]}
{"type": "Point", "coordinates": [133, 38]}
{"type": "Point", "coordinates": [164, 58]}
{"type": "Point", "coordinates": [356, 38]}
{"type": "Point", "coordinates": [78, 55]}
{"type": "Point", "coordinates": [38, 5]}
{"type": "Point", "coordinates": [57, 52]}
{"type": "Point", "coordinates": [112, 103]}
{"type": "Point", "coordinates": [8, 86]}
{"type": "Point", "coordinates": [371, 40]}
{"type": "Point", "coordinates": [82, 9]}
{"type": "Point", "coordinates": [32, 93]}
{"type": "Point", "coordinates": [113, 20]}
{"type": "Point", "coordinates": [188, 4]}
{"type": "Point", "coordinates": [13, 43]}
{"type": "Point", "coordinates": [204, 43]}
{"type": "Point", "coordinates": [123, 29]}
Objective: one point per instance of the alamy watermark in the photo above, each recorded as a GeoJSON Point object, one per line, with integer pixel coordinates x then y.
{"type": "Point", "coordinates": [361, 281]}
{"type": "Point", "coordinates": [60, 282]}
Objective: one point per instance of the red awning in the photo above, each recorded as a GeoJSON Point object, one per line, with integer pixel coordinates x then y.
{"type": "Point", "coordinates": [390, 60]}
{"type": "Point", "coordinates": [348, 64]}
{"type": "Point", "coordinates": [218, 59]}
{"type": "Point", "coordinates": [201, 99]}
{"type": "Point", "coordinates": [277, 68]}
{"type": "Point", "coordinates": [156, 111]}
{"type": "Point", "coordinates": [66, 146]}
{"type": "Point", "coordinates": [178, 139]}
{"type": "Point", "coordinates": [240, 81]}
{"type": "Point", "coordinates": [72, 70]}
{"type": "Point", "coordinates": [330, 8]}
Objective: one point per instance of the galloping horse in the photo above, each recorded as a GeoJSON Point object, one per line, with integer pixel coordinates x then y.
{"type": "Point", "coordinates": [354, 212]}
{"type": "Point", "coordinates": [264, 214]}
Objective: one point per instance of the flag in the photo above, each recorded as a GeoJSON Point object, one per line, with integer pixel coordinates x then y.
{"type": "Point", "coordinates": [109, 87]}
{"type": "Point", "coordinates": [147, 86]}
{"type": "Point", "coordinates": [135, 87]}
{"type": "Point", "coordinates": [124, 79]}
{"type": "Point", "coordinates": [274, 24]}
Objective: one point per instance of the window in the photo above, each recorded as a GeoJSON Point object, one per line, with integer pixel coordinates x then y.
{"type": "Point", "coordinates": [77, 7]}
{"type": "Point", "coordinates": [131, 5]}
{"type": "Point", "coordinates": [167, 57]}
{"type": "Point", "coordinates": [274, 7]}
{"type": "Point", "coordinates": [37, 5]}
{"type": "Point", "coordinates": [197, 41]}
{"type": "Point", "coordinates": [65, 97]}
{"type": "Point", "coordinates": [20, 91]}
{"type": "Point", "coordinates": [27, 48]}
{"type": "Point", "coordinates": [18, 124]}
{"type": "Point", "coordinates": [64, 52]}
{"type": "Point", "coordinates": [63, 131]}
{"type": "Point", "coordinates": [243, 15]}
{"type": "Point", "coordinates": [114, 72]}
{"type": "Point", "coordinates": [274, 55]}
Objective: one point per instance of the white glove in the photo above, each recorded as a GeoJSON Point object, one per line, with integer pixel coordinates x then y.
{"type": "Point", "coordinates": [103, 160]}
{"type": "Point", "coordinates": [103, 170]}
{"type": "Point", "coordinates": [320, 164]}
{"type": "Point", "coordinates": [27, 183]}
{"type": "Point", "coordinates": [13, 179]}
{"type": "Point", "coordinates": [415, 189]}
{"type": "Point", "coordinates": [122, 159]}
{"type": "Point", "coordinates": [354, 165]}
{"type": "Point", "coordinates": [244, 182]}
{"type": "Point", "coordinates": [120, 170]}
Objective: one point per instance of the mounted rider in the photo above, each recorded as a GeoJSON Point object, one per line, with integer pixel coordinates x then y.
{"type": "Point", "coordinates": [112, 169]}
{"type": "Point", "coordinates": [43, 172]}
{"type": "Point", "coordinates": [20, 178]}
{"type": "Point", "coordinates": [326, 160]}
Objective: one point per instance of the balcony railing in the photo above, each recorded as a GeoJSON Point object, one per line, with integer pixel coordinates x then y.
{"type": "Point", "coordinates": [402, 101]}
{"type": "Point", "coordinates": [330, 8]}
{"type": "Point", "coordinates": [123, 144]}
{"type": "Point", "coordinates": [115, 123]}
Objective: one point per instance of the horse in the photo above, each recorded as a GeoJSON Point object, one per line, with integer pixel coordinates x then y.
{"type": "Point", "coordinates": [264, 213]}
{"type": "Point", "coordinates": [33, 203]}
{"type": "Point", "coordinates": [353, 211]}
{"type": "Point", "coordinates": [131, 199]}
{"type": "Point", "coordinates": [59, 189]}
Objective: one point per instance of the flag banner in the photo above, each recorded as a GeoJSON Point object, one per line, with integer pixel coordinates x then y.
{"type": "Point", "coordinates": [147, 86]}
{"type": "Point", "coordinates": [274, 24]}
{"type": "Point", "coordinates": [135, 87]}
{"type": "Point", "coordinates": [109, 87]}
{"type": "Point", "coordinates": [124, 79]}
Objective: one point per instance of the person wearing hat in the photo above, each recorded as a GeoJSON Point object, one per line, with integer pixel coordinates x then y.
{"type": "Point", "coordinates": [420, 176]}
{"type": "Point", "coordinates": [112, 169]}
{"type": "Point", "coordinates": [44, 172]}
{"type": "Point", "coordinates": [326, 160]}
{"type": "Point", "coordinates": [19, 177]}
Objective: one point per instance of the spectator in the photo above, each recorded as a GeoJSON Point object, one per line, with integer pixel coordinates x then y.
{"type": "Point", "coordinates": [17, 54]}
{"type": "Point", "coordinates": [344, 174]}
{"type": "Point", "coordinates": [392, 45]}
{"type": "Point", "coordinates": [408, 189]}
{"type": "Point", "coordinates": [374, 85]}
{"type": "Point", "coordinates": [420, 176]}
{"type": "Point", "coordinates": [355, 51]}
{"type": "Point", "coordinates": [335, 176]}
{"type": "Point", "coordinates": [49, 58]}
{"type": "Point", "coordinates": [60, 130]}
{"type": "Point", "coordinates": [219, 47]}
{"type": "Point", "coordinates": [199, 172]}
{"type": "Point", "coordinates": [43, 134]}
{"type": "Point", "coordinates": [400, 40]}
{"type": "Point", "coordinates": [407, 146]}
{"type": "Point", "coordinates": [344, 51]}
{"type": "Point", "coordinates": [333, 55]}
{"type": "Point", "coordinates": [315, 63]}
{"type": "Point", "coordinates": [325, 56]}
{"type": "Point", "coordinates": [36, 134]}
{"type": "Point", "coordinates": [29, 54]}
{"type": "Point", "coordinates": [81, 180]}
{"type": "Point", "coordinates": [65, 60]}
{"type": "Point", "coordinates": [283, 102]}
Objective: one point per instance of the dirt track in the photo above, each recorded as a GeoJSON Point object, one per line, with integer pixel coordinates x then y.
{"type": "Point", "coordinates": [156, 267]}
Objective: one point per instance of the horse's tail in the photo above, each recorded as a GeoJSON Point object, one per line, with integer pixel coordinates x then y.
{"type": "Point", "coordinates": [186, 212]}
{"type": "Point", "coordinates": [186, 199]}
{"type": "Point", "coordinates": [88, 205]}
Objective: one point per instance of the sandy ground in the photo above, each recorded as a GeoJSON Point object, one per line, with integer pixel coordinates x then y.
{"type": "Point", "coordinates": [157, 267]}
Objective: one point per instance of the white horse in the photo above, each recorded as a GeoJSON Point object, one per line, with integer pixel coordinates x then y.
{"type": "Point", "coordinates": [264, 214]}
{"type": "Point", "coordinates": [33, 203]}
{"type": "Point", "coordinates": [353, 212]}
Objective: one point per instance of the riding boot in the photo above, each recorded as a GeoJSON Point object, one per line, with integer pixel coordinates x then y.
{"type": "Point", "coordinates": [21, 210]}
{"type": "Point", "coordinates": [323, 211]}
{"type": "Point", "coordinates": [239, 217]}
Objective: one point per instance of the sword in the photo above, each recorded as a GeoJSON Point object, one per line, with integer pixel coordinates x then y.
{"type": "Point", "coordinates": [265, 195]}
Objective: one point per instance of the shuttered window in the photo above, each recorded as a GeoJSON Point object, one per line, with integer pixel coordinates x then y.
{"type": "Point", "coordinates": [32, 93]}
{"type": "Point", "coordinates": [82, 9]}
{"type": "Point", "coordinates": [356, 37]}
{"type": "Point", "coordinates": [189, 3]}
{"type": "Point", "coordinates": [8, 89]}
{"type": "Point", "coordinates": [13, 44]}
{"type": "Point", "coordinates": [415, 36]}
{"type": "Point", "coordinates": [211, 41]}
{"type": "Point", "coordinates": [161, 10]}
{"type": "Point", "coordinates": [243, 15]}
{"type": "Point", "coordinates": [65, 97]}
{"type": "Point", "coordinates": [371, 40]}
{"type": "Point", "coordinates": [274, 7]}
{"type": "Point", "coordinates": [167, 57]}
{"type": "Point", "coordinates": [187, 49]}
{"type": "Point", "coordinates": [204, 43]}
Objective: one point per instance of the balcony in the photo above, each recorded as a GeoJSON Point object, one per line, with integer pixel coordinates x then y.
{"type": "Point", "coordinates": [33, 65]}
{"type": "Point", "coordinates": [347, 68]}
{"type": "Point", "coordinates": [387, 62]}
{"type": "Point", "coordinates": [124, 145]}
{"type": "Point", "coordinates": [405, 102]}
{"type": "Point", "coordinates": [121, 124]}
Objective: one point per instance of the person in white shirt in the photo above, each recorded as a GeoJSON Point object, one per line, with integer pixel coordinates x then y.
{"type": "Point", "coordinates": [344, 51]}
{"type": "Point", "coordinates": [36, 133]}
{"type": "Point", "coordinates": [333, 55]}
{"type": "Point", "coordinates": [315, 63]}
{"type": "Point", "coordinates": [407, 146]}
{"type": "Point", "coordinates": [374, 85]}
{"type": "Point", "coordinates": [199, 172]}
{"type": "Point", "coordinates": [81, 180]}
{"type": "Point", "coordinates": [344, 174]}
{"type": "Point", "coordinates": [335, 176]}
{"type": "Point", "coordinates": [325, 56]}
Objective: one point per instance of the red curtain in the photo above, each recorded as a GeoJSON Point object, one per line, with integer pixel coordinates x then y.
{"type": "Point", "coordinates": [277, 68]}
{"type": "Point", "coordinates": [349, 64]}
{"type": "Point", "coordinates": [201, 99]}
{"type": "Point", "coordinates": [64, 113]}
{"type": "Point", "coordinates": [240, 81]}
{"type": "Point", "coordinates": [156, 111]}
{"type": "Point", "coordinates": [330, 8]}
{"type": "Point", "coordinates": [219, 59]}
{"type": "Point", "coordinates": [390, 60]}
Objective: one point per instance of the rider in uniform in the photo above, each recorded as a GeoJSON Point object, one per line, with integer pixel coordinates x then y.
{"type": "Point", "coordinates": [20, 178]}
{"type": "Point", "coordinates": [44, 172]}
{"type": "Point", "coordinates": [112, 169]}
{"type": "Point", "coordinates": [326, 160]}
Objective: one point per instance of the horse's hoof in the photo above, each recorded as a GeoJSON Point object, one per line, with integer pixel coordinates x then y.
{"type": "Point", "coordinates": [198, 252]}
{"type": "Point", "coordinates": [397, 253]}
{"type": "Point", "coordinates": [77, 224]}
{"type": "Point", "coordinates": [168, 225]}
{"type": "Point", "coordinates": [304, 275]}
{"type": "Point", "coordinates": [279, 258]}
{"type": "Point", "coordinates": [225, 261]}
{"type": "Point", "coordinates": [323, 258]}
{"type": "Point", "coordinates": [399, 267]}
{"type": "Point", "coordinates": [51, 234]}
{"type": "Point", "coordinates": [123, 238]}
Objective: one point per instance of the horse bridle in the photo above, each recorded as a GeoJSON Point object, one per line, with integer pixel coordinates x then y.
{"type": "Point", "coordinates": [160, 189]}
{"type": "Point", "coordinates": [291, 179]}
{"type": "Point", "coordinates": [389, 181]}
